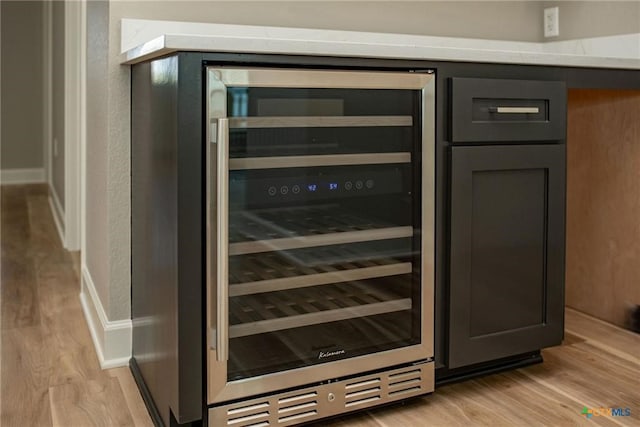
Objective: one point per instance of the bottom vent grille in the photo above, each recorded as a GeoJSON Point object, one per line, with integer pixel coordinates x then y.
{"type": "Point", "coordinates": [405, 382]}
{"type": "Point", "coordinates": [326, 400]}
{"type": "Point", "coordinates": [364, 401]}
{"type": "Point", "coordinates": [363, 392]}
{"type": "Point", "coordinates": [248, 419]}
{"type": "Point", "coordinates": [297, 407]}
{"type": "Point", "coordinates": [254, 415]}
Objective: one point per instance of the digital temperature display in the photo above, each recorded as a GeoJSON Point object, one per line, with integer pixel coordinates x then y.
{"type": "Point", "coordinates": [318, 187]}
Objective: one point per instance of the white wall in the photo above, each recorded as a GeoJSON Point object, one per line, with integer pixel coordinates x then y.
{"type": "Point", "coordinates": [584, 19]}
{"type": "Point", "coordinates": [57, 103]}
{"type": "Point", "coordinates": [517, 20]}
{"type": "Point", "coordinates": [22, 85]}
{"type": "Point", "coordinates": [96, 254]}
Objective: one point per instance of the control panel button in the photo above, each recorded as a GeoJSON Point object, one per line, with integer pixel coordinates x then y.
{"type": "Point", "coordinates": [272, 191]}
{"type": "Point", "coordinates": [295, 189]}
{"type": "Point", "coordinates": [348, 185]}
{"type": "Point", "coordinates": [369, 183]}
{"type": "Point", "coordinates": [284, 189]}
{"type": "Point", "coordinates": [359, 185]}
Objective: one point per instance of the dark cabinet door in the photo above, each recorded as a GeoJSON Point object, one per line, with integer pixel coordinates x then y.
{"type": "Point", "coordinates": [507, 251]}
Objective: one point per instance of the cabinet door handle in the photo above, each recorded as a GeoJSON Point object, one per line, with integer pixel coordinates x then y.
{"type": "Point", "coordinates": [514, 110]}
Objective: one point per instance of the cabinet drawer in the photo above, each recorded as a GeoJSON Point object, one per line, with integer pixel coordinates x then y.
{"type": "Point", "coordinates": [507, 110]}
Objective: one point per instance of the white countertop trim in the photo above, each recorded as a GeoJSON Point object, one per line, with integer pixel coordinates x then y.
{"type": "Point", "coordinates": [146, 39]}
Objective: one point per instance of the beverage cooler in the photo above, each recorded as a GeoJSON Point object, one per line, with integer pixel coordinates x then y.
{"type": "Point", "coordinates": [318, 190]}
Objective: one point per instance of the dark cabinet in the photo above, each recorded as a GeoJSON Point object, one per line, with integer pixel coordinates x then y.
{"type": "Point", "coordinates": [507, 226]}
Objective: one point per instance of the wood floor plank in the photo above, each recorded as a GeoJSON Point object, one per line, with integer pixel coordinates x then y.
{"type": "Point", "coordinates": [588, 379]}
{"type": "Point", "coordinates": [15, 237]}
{"type": "Point", "coordinates": [358, 419]}
{"type": "Point", "coordinates": [570, 339]}
{"type": "Point", "coordinates": [72, 348]}
{"type": "Point", "coordinates": [26, 368]}
{"type": "Point", "coordinates": [35, 189]}
{"type": "Point", "coordinates": [45, 245]}
{"type": "Point", "coordinates": [422, 411]}
{"type": "Point", "coordinates": [501, 399]}
{"type": "Point", "coordinates": [612, 361]}
{"type": "Point", "coordinates": [19, 293]}
{"type": "Point", "coordinates": [60, 351]}
{"type": "Point", "coordinates": [132, 396]}
{"type": "Point", "coordinates": [55, 286]}
{"type": "Point", "coordinates": [97, 403]}
{"type": "Point", "coordinates": [13, 218]}
{"type": "Point", "coordinates": [12, 202]}
{"type": "Point", "coordinates": [530, 400]}
{"type": "Point", "coordinates": [609, 337]}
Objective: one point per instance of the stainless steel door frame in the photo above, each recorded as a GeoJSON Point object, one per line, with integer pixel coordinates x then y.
{"type": "Point", "coordinates": [218, 79]}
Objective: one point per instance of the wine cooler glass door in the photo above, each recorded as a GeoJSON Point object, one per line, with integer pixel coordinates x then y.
{"type": "Point", "coordinates": [320, 222]}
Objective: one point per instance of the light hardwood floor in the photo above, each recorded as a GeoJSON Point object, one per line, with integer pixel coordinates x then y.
{"type": "Point", "coordinates": [50, 374]}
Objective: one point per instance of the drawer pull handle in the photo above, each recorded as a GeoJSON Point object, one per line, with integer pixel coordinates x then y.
{"type": "Point", "coordinates": [514, 110]}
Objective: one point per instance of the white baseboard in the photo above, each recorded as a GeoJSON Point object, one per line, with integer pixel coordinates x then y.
{"type": "Point", "coordinates": [22, 176]}
{"type": "Point", "coordinates": [58, 213]}
{"type": "Point", "coordinates": [112, 339]}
